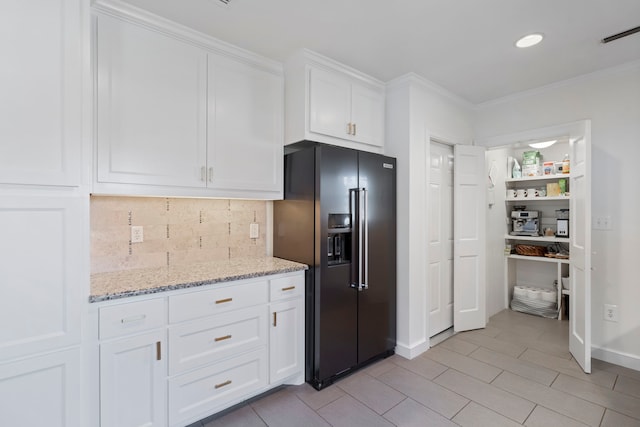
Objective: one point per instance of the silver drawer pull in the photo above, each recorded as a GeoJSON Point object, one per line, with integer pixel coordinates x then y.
{"type": "Point", "coordinates": [133, 318]}
{"type": "Point", "coordinates": [226, 383]}
{"type": "Point", "coordinates": [222, 301]}
{"type": "Point", "coordinates": [226, 337]}
{"type": "Point", "coordinates": [289, 288]}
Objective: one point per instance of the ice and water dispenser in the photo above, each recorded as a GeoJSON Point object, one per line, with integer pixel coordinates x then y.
{"type": "Point", "coordinates": [339, 239]}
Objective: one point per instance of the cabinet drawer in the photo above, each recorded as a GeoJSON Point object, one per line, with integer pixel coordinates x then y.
{"type": "Point", "coordinates": [286, 287]}
{"type": "Point", "coordinates": [131, 317]}
{"type": "Point", "coordinates": [202, 392]}
{"type": "Point", "coordinates": [219, 300]}
{"type": "Point", "coordinates": [207, 340]}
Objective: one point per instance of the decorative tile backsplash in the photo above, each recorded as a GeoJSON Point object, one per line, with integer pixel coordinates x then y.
{"type": "Point", "coordinates": [176, 231]}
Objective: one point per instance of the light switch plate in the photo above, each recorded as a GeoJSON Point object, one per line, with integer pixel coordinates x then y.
{"type": "Point", "coordinates": [254, 231]}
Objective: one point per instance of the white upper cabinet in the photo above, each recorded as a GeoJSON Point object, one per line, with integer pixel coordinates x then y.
{"type": "Point", "coordinates": [180, 114]}
{"type": "Point", "coordinates": [152, 94]}
{"type": "Point", "coordinates": [332, 103]}
{"type": "Point", "coordinates": [41, 87]}
{"type": "Point", "coordinates": [245, 150]}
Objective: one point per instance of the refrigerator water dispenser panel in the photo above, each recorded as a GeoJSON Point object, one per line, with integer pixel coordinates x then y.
{"type": "Point", "coordinates": [339, 239]}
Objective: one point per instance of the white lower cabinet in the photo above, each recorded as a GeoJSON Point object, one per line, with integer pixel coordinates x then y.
{"type": "Point", "coordinates": [200, 393]}
{"type": "Point", "coordinates": [225, 343]}
{"type": "Point", "coordinates": [286, 339]}
{"type": "Point", "coordinates": [132, 381]}
{"type": "Point", "coordinates": [43, 390]}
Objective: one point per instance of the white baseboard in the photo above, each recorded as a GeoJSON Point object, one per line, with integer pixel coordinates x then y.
{"type": "Point", "coordinates": [617, 358]}
{"type": "Point", "coordinates": [410, 352]}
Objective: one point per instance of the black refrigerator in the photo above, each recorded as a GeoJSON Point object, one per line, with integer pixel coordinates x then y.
{"type": "Point", "coordinates": [339, 217]}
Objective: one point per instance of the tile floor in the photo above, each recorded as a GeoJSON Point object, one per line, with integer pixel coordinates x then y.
{"type": "Point", "coordinates": [517, 371]}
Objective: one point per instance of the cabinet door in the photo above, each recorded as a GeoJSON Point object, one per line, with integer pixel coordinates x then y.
{"type": "Point", "coordinates": [245, 133]}
{"type": "Point", "coordinates": [42, 391]}
{"type": "Point", "coordinates": [41, 273]}
{"type": "Point", "coordinates": [41, 87]}
{"type": "Point", "coordinates": [367, 115]}
{"type": "Point", "coordinates": [329, 104]}
{"type": "Point", "coordinates": [151, 107]}
{"type": "Point", "coordinates": [132, 381]}
{"type": "Point", "coordinates": [286, 340]}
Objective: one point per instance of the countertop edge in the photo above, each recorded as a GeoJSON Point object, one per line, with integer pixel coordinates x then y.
{"type": "Point", "coordinates": [187, 285]}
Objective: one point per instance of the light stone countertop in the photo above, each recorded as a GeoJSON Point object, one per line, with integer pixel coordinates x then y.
{"type": "Point", "coordinates": [128, 283]}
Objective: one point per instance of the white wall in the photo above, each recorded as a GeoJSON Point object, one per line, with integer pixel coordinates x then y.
{"type": "Point", "coordinates": [416, 112]}
{"type": "Point", "coordinates": [611, 100]}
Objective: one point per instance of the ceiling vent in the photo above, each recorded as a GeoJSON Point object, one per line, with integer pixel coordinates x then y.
{"type": "Point", "coordinates": [617, 36]}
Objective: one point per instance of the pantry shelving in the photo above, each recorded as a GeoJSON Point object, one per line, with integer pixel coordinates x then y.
{"type": "Point", "coordinates": [536, 271]}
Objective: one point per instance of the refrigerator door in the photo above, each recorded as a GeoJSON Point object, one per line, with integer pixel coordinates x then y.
{"type": "Point", "coordinates": [377, 303]}
{"type": "Point", "coordinates": [336, 304]}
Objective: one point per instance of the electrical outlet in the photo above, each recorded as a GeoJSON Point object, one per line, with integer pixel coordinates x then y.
{"type": "Point", "coordinates": [611, 312]}
{"type": "Point", "coordinates": [137, 235]}
{"type": "Point", "coordinates": [254, 231]}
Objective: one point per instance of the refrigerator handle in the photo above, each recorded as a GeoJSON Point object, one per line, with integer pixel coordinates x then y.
{"type": "Point", "coordinates": [364, 247]}
{"type": "Point", "coordinates": [353, 204]}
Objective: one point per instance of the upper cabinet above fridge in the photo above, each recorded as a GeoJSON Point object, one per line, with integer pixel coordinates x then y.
{"type": "Point", "coordinates": [333, 103]}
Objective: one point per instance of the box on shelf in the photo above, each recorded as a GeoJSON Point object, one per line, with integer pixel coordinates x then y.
{"type": "Point", "coordinates": [553, 189]}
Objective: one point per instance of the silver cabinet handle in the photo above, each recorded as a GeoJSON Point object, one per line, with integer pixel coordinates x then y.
{"type": "Point", "coordinates": [349, 128]}
{"type": "Point", "coordinates": [354, 130]}
{"type": "Point", "coordinates": [210, 174]}
{"type": "Point", "coordinates": [203, 173]}
{"type": "Point", "coordinates": [133, 318]}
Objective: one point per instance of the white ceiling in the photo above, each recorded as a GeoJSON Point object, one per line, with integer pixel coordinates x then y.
{"type": "Point", "coordinates": [465, 46]}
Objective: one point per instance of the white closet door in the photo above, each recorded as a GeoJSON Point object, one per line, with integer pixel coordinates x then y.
{"type": "Point", "coordinates": [469, 229]}
{"type": "Point", "coordinates": [580, 238]}
{"type": "Point", "coordinates": [440, 232]}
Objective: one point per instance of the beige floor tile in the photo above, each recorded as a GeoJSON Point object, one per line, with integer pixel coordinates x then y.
{"type": "Point", "coordinates": [553, 399]}
{"type": "Point", "coordinates": [487, 395]}
{"type": "Point", "coordinates": [491, 343]}
{"type": "Point", "coordinates": [464, 364]}
{"type": "Point", "coordinates": [569, 367]}
{"type": "Point", "coordinates": [380, 367]}
{"type": "Point", "coordinates": [619, 402]}
{"type": "Point", "coordinates": [242, 417]}
{"type": "Point", "coordinates": [548, 346]}
{"type": "Point", "coordinates": [458, 345]}
{"type": "Point", "coordinates": [628, 385]}
{"type": "Point", "coordinates": [284, 409]}
{"type": "Point", "coordinates": [314, 398]}
{"type": "Point", "coordinates": [516, 366]}
{"type": "Point", "coordinates": [543, 417]}
{"type": "Point", "coordinates": [428, 393]}
{"type": "Point", "coordinates": [615, 419]}
{"type": "Point", "coordinates": [348, 412]}
{"type": "Point", "coordinates": [490, 331]}
{"type": "Point", "coordinates": [474, 415]}
{"type": "Point", "coordinates": [410, 413]}
{"type": "Point", "coordinates": [426, 367]}
{"type": "Point", "coordinates": [616, 369]}
{"type": "Point", "coordinates": [373, 393]}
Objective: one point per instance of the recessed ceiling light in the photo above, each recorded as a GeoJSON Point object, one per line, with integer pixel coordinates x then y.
{"type": "Point", "coordinates": [529, 40]}
{"type": "Point", "coordinates": [543, 144]}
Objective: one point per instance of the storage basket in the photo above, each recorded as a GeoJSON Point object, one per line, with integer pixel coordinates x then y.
{"type": "Point", "coordinates": [530, 250]}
